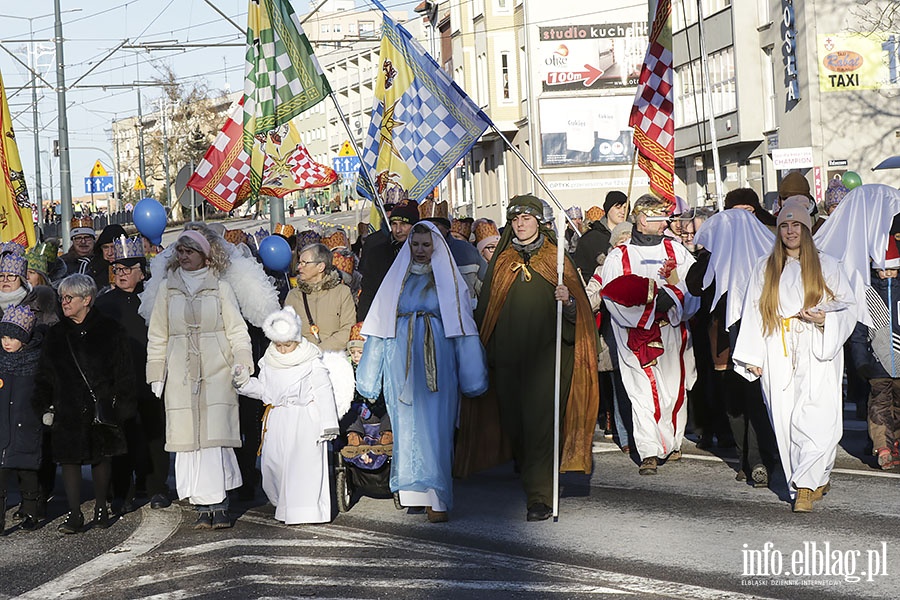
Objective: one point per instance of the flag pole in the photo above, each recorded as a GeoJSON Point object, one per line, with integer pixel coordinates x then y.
{"type": "Point", "coordinates": [560, 265]}
{"type": "Point", "coordinates": [365, 169]}
{"type": "Point", "coordinates": [538, 178]}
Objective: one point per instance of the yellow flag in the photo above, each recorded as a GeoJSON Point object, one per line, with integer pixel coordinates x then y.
{"type": "Point", "coordinates": [16, 224]}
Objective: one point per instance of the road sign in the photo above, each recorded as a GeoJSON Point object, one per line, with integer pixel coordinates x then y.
{"type": "Point", "coordinates": [345, 164]}
{"type": "Point", "coordinates": [139, 184]}
{"type": "Point", "coordinates": [98, 185]}
{"type": "Point", "coordinates": [98, 170]}
{"type": "Point", "coordinates": [347, 149]}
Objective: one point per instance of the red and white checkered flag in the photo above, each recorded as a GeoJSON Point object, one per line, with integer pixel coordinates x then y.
{"type": "Point", "coordinates": [651, 115]}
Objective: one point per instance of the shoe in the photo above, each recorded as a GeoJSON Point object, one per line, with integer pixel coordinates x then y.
{"type": "Point", "coordinates": [204, 520]}
{"type": "Point", "coordinates": [648, 466]}
{"type": "Point", "coordinates": [675, 456]}
{"type": "Point", "coordinates": [19, 515]}
{"type": "Point", "coordinates": [740, 476]}
{"type": "Point", "coordinates": [354, 439]}
{"type": "Point", "coordinates": [160, 501]}
{"type": "Point", "coordinates": [221, 520]}
{"type": "Point", "coordinates": [436, 516]}
{"type": "Point", "coordinates": [626, 449]}
{"type": "Point", "coordinates": [886, 460]}
{"type": "Point", "coordinates": [820, 491]}
{"type": "Point", "coordinates": [803, 501]}
{"type": "Point", "coordinates": [101, 517]}
{"type": "Point", "coordinates": [73, 523]}
{"type": "Point", "coordinates": [760, 476]}
{"type": "Point", "coordinates": [387, 438]}
{"type": "Point", "coordinates": [29, 523]}
{"type": "Point", "coordinates": [539, 512]}
{"type": "Point", "coordinates": [705, 442]}
{"type": "Point", "coordinates": [126, 507]}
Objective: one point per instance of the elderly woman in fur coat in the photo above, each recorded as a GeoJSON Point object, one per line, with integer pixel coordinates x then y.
{"type": "Point", "coordinates": [295, 383]}
{"type": "Point", "coordinates": [196, 336]}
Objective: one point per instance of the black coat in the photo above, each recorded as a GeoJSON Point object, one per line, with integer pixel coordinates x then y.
{"type": "Point", "coordinates": [101, 347]}
{"type": "Point", "coordinates": [593, 243]}
{"type": "Point", "coordinates": [378, 254]}
{"type": "Point", "coordinates": [122, 307]}
{"type": "Point", "coordinates": [21, 429]}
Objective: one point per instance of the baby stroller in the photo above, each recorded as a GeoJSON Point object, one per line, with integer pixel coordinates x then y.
{"type": "Point", "coordinates": [364, 470]}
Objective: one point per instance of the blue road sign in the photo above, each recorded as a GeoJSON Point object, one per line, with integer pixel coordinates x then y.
{"type": "Point", "coordinates": [345, 164]}
{"type": "Point", "coordinates": [98, 185]}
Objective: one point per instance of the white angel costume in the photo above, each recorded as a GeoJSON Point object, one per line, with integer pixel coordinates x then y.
{"type": "Point", "coordinates": [657, 391]}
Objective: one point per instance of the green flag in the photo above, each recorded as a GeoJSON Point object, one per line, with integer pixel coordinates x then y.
{"type": "Point", "coordinates": [283, 78]}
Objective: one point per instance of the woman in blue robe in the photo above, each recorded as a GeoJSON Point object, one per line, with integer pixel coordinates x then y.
{"type": "Point", "coordinates": [422, 347]}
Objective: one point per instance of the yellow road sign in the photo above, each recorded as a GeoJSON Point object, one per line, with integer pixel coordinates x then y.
{"type": "Point", "coordinates": [98, 170]}
{"type": "Point", "coordinates": [139, 184]}
{"type": "Point", "coordinates": [347, 149]}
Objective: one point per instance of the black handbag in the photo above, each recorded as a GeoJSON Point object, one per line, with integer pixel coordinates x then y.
{"type": "Point", "coordinates": [107, 438]}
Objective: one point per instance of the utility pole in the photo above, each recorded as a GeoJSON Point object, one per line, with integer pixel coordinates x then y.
{"type": "Point", "coordinates": [65, 184]}
{"type": "Point", "coordinates": [38, 195]}
{"type": "Point", "coordinates": [140, 128]}
{"type": "Point", "coordinates": [119, 192]}
{"type": "Point", "coordinates": [165, 152]}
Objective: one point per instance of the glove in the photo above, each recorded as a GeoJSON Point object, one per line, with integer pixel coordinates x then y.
{"type": "Point", "coordinates": [240, 375]}
{"type": "Point", "coordinates": [157, 388]}
{"type": "Point", "coordinates": [329, 434]}
{"type": "Point", "coordinates": [663, 301]}
{"type": "Point", "coordinates": [47, 419]}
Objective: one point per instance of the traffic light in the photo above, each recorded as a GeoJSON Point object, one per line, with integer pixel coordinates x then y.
{"type": "Point", "coordinates": [55, 147]}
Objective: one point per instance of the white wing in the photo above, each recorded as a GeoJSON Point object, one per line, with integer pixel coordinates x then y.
{"type": "Point", "coordinates": [343, 382]}
{"type": "Point", "coordinates": [737, 241]}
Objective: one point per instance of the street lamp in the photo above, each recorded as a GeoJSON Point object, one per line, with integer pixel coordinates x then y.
{"type": "Point", "coordinates": [38, 198]}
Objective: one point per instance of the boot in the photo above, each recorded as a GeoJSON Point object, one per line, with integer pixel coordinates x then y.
{"type": "Point", "coordinates": [101, 516]}
{"type": "Point", "coordinates": [648, 466]}
{"type": "Point", "coordinates": [820, 491]}
{"type": "Point", "coordinates": [803, 501]}
{"type": "Point", "coordinates": [204, 520]}
{"type": "Point", "coordinates": [73, 523]}
{"type": "Point", "coordinates": [220, 519]}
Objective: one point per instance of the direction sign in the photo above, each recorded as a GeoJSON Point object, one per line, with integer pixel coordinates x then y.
{"type": "Point", "coordinates": [98, 170]}
{"type": "Point", "coordinates": [98, 185]}
{"type": "Point", "coordinates": [139, 184]}
{"type": "Point", "coordinates": [347, 149]}
{"type": "Point", "coordinates": [346, 164]}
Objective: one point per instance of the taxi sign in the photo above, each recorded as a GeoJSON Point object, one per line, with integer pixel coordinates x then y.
{"type": "Point", "coordinates": [139, 184]}
{"type": "Point", "coordinates": [98, 170]}
{"type": "Point", "coordinates": [347, 149]}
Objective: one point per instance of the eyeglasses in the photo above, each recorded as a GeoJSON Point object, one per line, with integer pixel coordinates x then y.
{"type": "Point", "coordinates": [83, 238]}
{"type": "Point", "coordinates": [491, 247]}
{"type": "Point", "coordinates": [303, 263]}
{"type": "Point", "coordinates": [8, 276]}
{"type": "Point", "coordinates": [66, 299]}
{"type": "Point", "coordinates": [123, 270]}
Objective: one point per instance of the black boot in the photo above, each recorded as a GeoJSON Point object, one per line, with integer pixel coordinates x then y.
{"type": "Point", "coordinates": [101, 516]}
{"type": "Point", "coordinates": [73, 523]}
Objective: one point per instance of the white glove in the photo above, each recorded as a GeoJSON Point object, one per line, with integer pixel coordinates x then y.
{"type": "Point", "coordinates": [47, 419]}
{"type": "Point", "coordinates": [240, 375]}
{"type": "Point", "coordinates": [157, 388]}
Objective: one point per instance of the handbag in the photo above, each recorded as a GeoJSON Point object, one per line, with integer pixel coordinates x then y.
{"type": "Point", "coordinates": [107, 438]}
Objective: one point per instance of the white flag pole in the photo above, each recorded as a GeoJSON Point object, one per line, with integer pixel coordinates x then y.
{"type": "Point", "coordinates": [560, 265]}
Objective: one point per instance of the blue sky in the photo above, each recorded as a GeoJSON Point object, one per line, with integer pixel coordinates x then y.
{"type": "Point", "coordinates": [92, 30]}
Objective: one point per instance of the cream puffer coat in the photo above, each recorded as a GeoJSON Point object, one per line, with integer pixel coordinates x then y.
{"type": "Point", "coordinates": [194, 340]}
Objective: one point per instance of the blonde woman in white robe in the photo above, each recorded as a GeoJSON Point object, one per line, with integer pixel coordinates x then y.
{"type": "Point", "coordinates": [798, 311]}
{"type": "Point", "coordinates": [300, 419]}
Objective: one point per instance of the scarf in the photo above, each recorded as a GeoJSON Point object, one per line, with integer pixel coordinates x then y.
{"type": "Point", "coordinates": [8, 299]}
{"type": "Point", "coordinates": [193, 280]}
{"type": "Point", "coordinates": [645, 239]}
{"type": "Point", "coordinates": [304, 352]}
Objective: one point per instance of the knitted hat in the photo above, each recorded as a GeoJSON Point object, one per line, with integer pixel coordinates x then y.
{"type": "Point", "coordinates": [614, 198]}
{"type": "Point", "coordinates": [835, 193]}
{"type": "Point", "coordinates": [486, 233]}
{"type": "Point", "coordinates": [462, 228]}
{"type": "Point", "coordinates": [526, 204]}
{"type": "Point", "coordinates": [17, 323]}
{"type": "Point", "coordinates": [356, 338]}
{"type": "Point", "coordinates": [406, 212]}
{"type": "Point", "coordinates": [235, 236]}
{"type": "Point", "coordinates": [594, 213]}
{"type": "Point", "coordinates": [83, 226]}
{"type": "Point", "coordinates": [742, 197]}
{"type": "Point", "coordinates": [36, 261]}
{"type": "Point", "coordinates": [14, 263]}
{"type": "Point", "coordinates": [283, 326]}
{"type": "Point", "coordinates": [129, 251]}
{"type": "Point", "coordinates": [197, 237]}
{"type": "Point", "coordinates": [574, 212]}
{"type": "Point", "coordinates": [12, 248]}
{"type": "Point", "coordinates": [110, 233]}
{"type": "Point", "coordinates": [307, 237]}
{"type": "Point", "coordinates": [794, 184]}
{"type": "Point", "coordinates": [285, 230]}
{"type": "Point", "coordinates": [343, 261]}
{"type": "Point", "coordinates": [338, 239]}
{"type": "Point", "coordinates": [795, 208]}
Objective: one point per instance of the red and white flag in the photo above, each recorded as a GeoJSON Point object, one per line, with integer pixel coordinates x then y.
{"type": "Point", "coordinates": [651, 115]}
{"type": "Point", "coordinates": [223, 175]}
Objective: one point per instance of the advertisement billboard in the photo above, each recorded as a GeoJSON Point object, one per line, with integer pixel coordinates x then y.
{"type": "Point", "coordinates": [850, 61]}
{"type": "Point", "coordinates": [585, 131]}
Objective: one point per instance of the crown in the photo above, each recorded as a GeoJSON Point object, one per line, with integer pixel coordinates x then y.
{"type": "Point", "coordinates": [260, 234]}
{"type": "Point", "coordinates": [235, 236]}
{"type": "Point", "coordinates": [14, 263]}
{"type": "Point", "coordinates": [485, 229]}
{"type": "Point", "coordinates": [285, 230]}
{"type": "Point", "coordinates": [36, 261]}
{"type": "Point", "coordinates": [356, 332]}
{"type": "Point", "coordinates": [19, 315]}
{"type": "Point", "coordinates": [126, 247]}
{"type": "Point", "coordinates": [338, 239]}
{"type": "Point", "coordinates": [307, 237]}
{"type": "Point", "coordinates": [594, 213]}
{"type": "Point", "coordinates": [343, 262]}
{"type": "Point", "coordinates": [12, 248]}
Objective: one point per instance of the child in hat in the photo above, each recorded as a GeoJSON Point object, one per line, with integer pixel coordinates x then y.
{"type": "Point", "coordinates": [20, 425]}
{"type": "Point", "coordinates": [372, 425]}
{"type": "Point", "coordinates": [295, 383]}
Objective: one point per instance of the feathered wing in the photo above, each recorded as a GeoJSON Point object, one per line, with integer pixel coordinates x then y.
{"type": "Point", "coordinates": [857, 234]}
{"type": "Point", "coordinates": [340, 371]}
{"type": "Point", "coordinates": [737, 241]}
{"type": "Point", "coordinates": [157, 278]}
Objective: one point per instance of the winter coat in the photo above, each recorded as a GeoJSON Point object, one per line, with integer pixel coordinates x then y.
{"type": "Point", "coordinates": [122, 307]}
{"type": "Point", "coordinates": [21, 429]}
{"type": "Point", "coordinates": [194, 340]}
{"type": "Point", "coordinates": [378, 254]}
{"type": "Point", "coordinates": [594, 242]}
{"type": "Point", "coordinates": [332, 308]}
{"type": "Point", "coordinates": [874, 352]}
{"type": "Point", "coordinates": [101, 347]}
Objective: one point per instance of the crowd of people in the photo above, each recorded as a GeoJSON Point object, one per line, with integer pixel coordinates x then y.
{"type": "Point", "coordinates": [429, 347]}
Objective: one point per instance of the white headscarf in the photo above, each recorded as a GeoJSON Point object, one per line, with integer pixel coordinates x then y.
{"type": "Point", "coordinates": [452, 291]}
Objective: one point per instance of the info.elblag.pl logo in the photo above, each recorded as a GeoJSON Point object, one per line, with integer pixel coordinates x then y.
{"type": "Point", "coordinates": [815, 559]}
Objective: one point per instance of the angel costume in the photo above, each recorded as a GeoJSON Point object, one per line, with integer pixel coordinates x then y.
{"type": "Point", "coordinates": [300, 413]}
{"type": "Point", "coordinates": [423, 347]}
{"type": "Point", "coordinates": [802, 367]}
{"type": "Point", "coordinates": [655, 352]}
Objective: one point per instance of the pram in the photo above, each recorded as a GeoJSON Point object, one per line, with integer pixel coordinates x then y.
{"type": "Point", "coordinates": [364, 470]}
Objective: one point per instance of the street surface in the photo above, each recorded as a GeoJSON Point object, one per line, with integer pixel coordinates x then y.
{"type": "Point", "coordinates": [684, 534]}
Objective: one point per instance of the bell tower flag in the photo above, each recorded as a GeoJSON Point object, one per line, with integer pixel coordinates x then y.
{"type": "Point", "coordinates": [651, 115]}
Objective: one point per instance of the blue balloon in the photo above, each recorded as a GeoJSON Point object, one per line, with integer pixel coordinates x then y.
{"type": "Point", "coordinates": [150, 219]}
{"type": "Point", "coordinates": [275, 253]}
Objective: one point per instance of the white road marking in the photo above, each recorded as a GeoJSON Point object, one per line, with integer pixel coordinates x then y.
{"type": "Point", "coordinates": [156, 526]}
{"type": "Point", "coordinates": [355, 562]}
{"type": "Point", "coordinates": [289, 543]}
